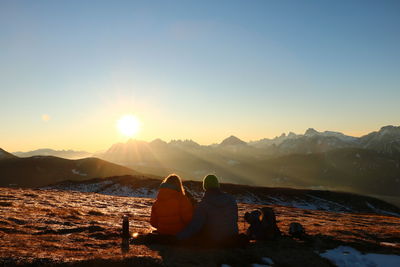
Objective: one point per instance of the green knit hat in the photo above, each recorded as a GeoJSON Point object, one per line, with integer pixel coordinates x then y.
{"type": "Point", "coordinates": [210, 181]}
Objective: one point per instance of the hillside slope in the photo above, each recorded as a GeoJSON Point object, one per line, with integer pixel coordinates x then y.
{"type": "Point", "coordinates": [44, 170]}
{"type": "Point", "coordinates": [349, 169]}
{"type": "Point", "coordinates": [6, 155]}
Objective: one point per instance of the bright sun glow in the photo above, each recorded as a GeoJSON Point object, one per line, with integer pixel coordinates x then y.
{"type": "Point", "coordinates": [128, 125]}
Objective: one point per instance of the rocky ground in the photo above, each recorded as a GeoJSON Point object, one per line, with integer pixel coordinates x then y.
{"type": "Point", "coordinates": [52, 227]}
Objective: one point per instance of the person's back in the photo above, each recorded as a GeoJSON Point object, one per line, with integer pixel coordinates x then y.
{"type": "Point", "coordinates": [172, 210]}
{"type": "Point", "coordinates": [221, 214]}
{"type": "Point", "coordinates": [215, 218]}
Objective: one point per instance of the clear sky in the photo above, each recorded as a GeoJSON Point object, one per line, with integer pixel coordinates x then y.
{"type": "Point", "coordinates": [200, 70]}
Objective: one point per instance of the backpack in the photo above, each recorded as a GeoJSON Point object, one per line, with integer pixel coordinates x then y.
{"type": "Point", "coordinates": [297, 230]}
{"type": "Point", "coordinates": [264, 228]}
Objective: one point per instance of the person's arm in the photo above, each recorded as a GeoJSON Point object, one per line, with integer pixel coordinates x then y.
{"type": "Point", "coordinates": [236, 216]}
{"type": "Point", "coordinates": [195, 225]}
{"type": "Point", "coordinates": [153, 217]}
{"type": "Point", "coordinates": [236, 210]}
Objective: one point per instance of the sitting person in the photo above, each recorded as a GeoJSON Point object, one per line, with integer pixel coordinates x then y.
{"type": "Point", "coordinates": [215, 218]}
{"type": "Point", "coordinates": [172, 210]}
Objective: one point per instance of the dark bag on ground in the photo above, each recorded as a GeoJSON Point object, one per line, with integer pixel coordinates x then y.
{"type": "Point", "coordinates": [297, 230]}
{"type": "Point", "coordinates": [264, 228]}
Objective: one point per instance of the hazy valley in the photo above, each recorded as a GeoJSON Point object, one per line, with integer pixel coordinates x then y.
{"type": "Point", "coordinates": [321, 160]}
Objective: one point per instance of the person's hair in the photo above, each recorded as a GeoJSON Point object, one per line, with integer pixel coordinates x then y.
{"type": "Point", "coordinates": [175, 180]}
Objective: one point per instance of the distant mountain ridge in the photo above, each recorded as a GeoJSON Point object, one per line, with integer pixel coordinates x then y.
{"type": "Point", "coordinates": [327, 160]}
{"type": "Point", "coordinates": [68, 154]}
{"type": "Point", "coordinates": [386, 140]}
{"type": "Point", "coordinates": [6, 155]}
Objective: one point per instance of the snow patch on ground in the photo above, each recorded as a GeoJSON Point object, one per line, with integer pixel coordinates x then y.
{"type": "Point", "coordinates": [75, 171]}
{"type": "Point", "coordinates": [246, 199]}
{"type": "Point", "coordinates": [94, 187]}
{"type": "Point", "coordinates": [303, 205]}
{"type": "Point", "coordinates": [268, 262]}
{"type": "Point", "coordinates": [250, 198]}
{"type": "Point", "coordinates": [347, 256]}
{"type": "Point", "coordinates": [307, 202]}
{"type": "Point", "coordinates": [313, 203]}
{"type": "Point", "coordinates": [107, 188]}
{"type": "Point", "coordinates": [298, 203]}
{"type": "Point", "coordinates": [331, 205]}
{"type": "Point", "coordinates": [194, 194]}
{"type": "Point", "coordinates": [379, 211]}
{"type": "Point", "coordinates": [126, 191]}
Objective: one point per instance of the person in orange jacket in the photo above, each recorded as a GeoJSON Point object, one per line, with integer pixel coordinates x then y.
{"type": "Point", "coordinates": [172, 210]}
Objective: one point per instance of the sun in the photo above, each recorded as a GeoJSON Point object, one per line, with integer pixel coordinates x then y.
{"type": "Point", "coordinates": [128, 125]}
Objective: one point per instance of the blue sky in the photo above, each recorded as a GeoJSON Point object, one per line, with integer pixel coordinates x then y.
{"type": "Point", "coordinates": [195, 69]}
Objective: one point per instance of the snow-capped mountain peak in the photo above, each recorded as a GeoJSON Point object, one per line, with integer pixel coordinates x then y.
{"type": "Point", "coordinates": [311, 132]}
{"type": "Point", "coordinates": [390, 130]}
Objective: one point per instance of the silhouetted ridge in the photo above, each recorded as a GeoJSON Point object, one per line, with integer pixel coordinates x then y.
{"type": "Point", "coordinates": [68, 154]}
{"type": "Point", "coordinates": [43, 170]}
{"type": "Point", "coordinates": [6, 155]}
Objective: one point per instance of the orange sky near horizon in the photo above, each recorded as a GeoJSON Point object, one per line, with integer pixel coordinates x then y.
{"type": "Point", "coordinates": [83, 137]}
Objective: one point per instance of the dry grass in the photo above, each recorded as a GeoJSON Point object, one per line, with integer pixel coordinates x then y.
{"type": "Point", "coordinates": [71, 228]}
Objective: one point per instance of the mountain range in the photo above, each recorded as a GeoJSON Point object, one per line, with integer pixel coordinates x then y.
{"type": "Point", "coordinates": [386, 140]}
{"type": "Point", "coordinates": [316, 160]}
{"type": "Point", "coordinates": [325, 160]}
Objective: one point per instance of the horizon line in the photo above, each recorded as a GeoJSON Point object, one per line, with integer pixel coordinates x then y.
{"type": "Point", "coordinates": [210, 144]}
